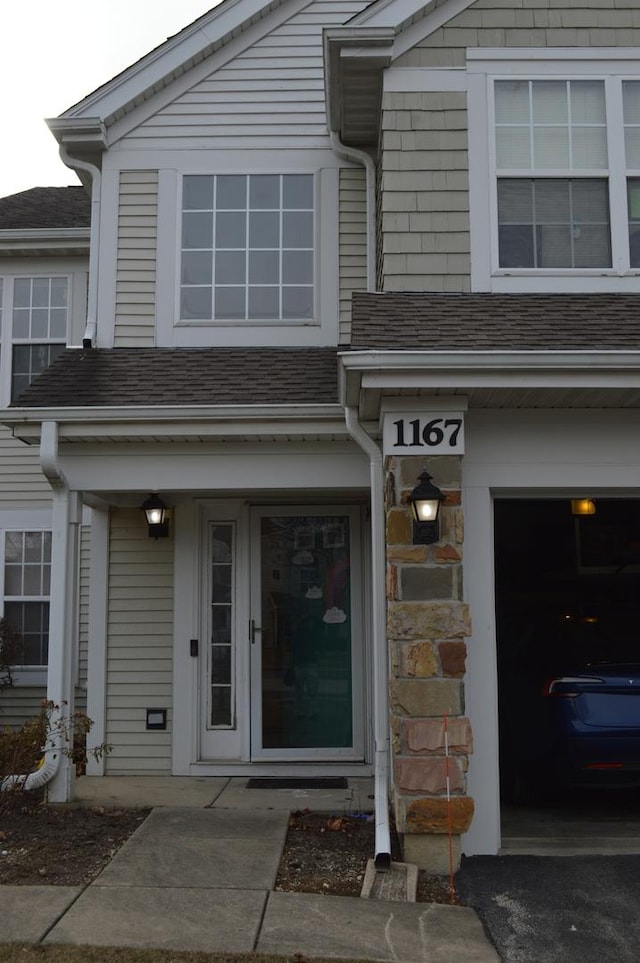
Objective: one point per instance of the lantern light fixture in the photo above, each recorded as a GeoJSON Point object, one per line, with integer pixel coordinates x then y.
{"type": "Point", "coordinates": [583, 506]}
{"type": "Point", "coordinates": [425, 501]}
{"type": "Point", "coordinates": [155, 512]}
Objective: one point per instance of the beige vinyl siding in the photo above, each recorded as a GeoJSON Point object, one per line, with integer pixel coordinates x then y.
{"type": "Point", "coordinates": [352, 242]}
{"type": "Point", "coordinates": [140, 652]}
{"type": "Point", "coordinates": [136, 260]}
{"type": "Point", "coordinates": [274, 90]}
{"type": "Point", "coordinates": [424, 231]}
{"type": "Point", "coordinates": [529, 23]}
{"type": "Point", "coordinates": [22, 484]}
{"type": "Point", "coordinates": [19, 703]}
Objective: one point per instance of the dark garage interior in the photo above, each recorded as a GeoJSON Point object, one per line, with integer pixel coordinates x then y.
{"type": "Point", "coordinates": [567, 599]}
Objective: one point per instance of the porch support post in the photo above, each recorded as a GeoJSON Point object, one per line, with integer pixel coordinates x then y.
{"type": "Point", "coordinates": [62, 668]}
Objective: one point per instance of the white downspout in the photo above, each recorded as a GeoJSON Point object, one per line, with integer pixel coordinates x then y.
{"type": "Point", "coordinates": [380, 659]}
{"type": "Point", "coordinates": [379, 646]}
{"type": "Point", "coordinates": [89, 336]}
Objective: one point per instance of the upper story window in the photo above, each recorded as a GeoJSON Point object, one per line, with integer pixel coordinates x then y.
{"type": "Point", "coordinates": [34, 318]}
{"type": "Point", "coordinates": [248, 249]}
{"type": "Point", "coordinates": [562, 164]}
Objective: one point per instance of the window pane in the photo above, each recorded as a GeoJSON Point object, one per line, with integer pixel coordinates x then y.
{"type": "Point", "coordinates": [39, 323]}
{"type": "Point", "coordinates": [589, 147]}
{"type": "Point", "coordinates": [587, 102]}
{"type": "Point", "coordinates": [633, 201]}
{"type": "Point", "coordinates": [549, 102]}
{"type": "Point", "coordinates": [297, 267]}
{"type": "Point", "coordinates": [297, 230]}
{"type": "Point", "coordinates": [221, 583]}
{"type": "Point", "coordinates": [13, 546]}
{"type": "Point", "coordinates": [631, 101]}
{"type": "Point", "coordinates": [297, 302]}
{"type": "Point", "coordinates": [33, 546]}
{"type": "Point", "coordinates": [197, 230]}
{"type": "Point", "coordinates": [22, 293]}
{"type": "Point", "coordinates": [230, 303]}
{"type": "Point", "coordinates": [59, 292]}
{"type": "Point", "coordinates": [197, 193]}
{"type": "Point", "coordinates": [553, 243]}
{"type": "Point", "coordinates": [13, 580]}
{"type": "Point", "coordinates": [513, 148]}
{"type": "Point", "coordinates": [222, 541]}
{"type": "Point", "coordinates": [264, 229]}
{"type": "Point", "coordinates": [231, 267]}
{"type": "Point", "coordinates": [264, 267]}
{"type": "Point", "coordinates": [28, 362]}
{"type": "Point", "coordinates": [221, 623]}
{"type": "Point", "coordinates": [21, 322]}
{"type": "Point", "coordinates": [58, 323]}
{"type": "Point", "coordinates": [550, 147]}
{"type": "Point", "coordinates": [632, 147]}
{"type": "Point", "coordinates": [264, 192]}
{"type": "Point", "coordinates": [515, 244]}
{"type": "Point", "coordinates": [197, 267]}
{"type": "Point", "coordinates": [551, 202]}
{"type": "Point", "coordinates": [264, 303]}
{"type": "Point", "coordinates": [221, 706]}
{"type": "Point", "coordinates": [231, 192]}
{"type": "Point", "coordinates": [195, 304]}
{"type": "Point", "coordinates": [40, 294]}
{"type": "Point", "coordinates": [512, 102]}
{"type": "Point", "coordinates": [231, 230]}
{"type": "Point", "coordinates": [592, 246]}
{"type": "Point", "coordinates": [297, 191]}
{"type": "Point", "coordinates": [220, 664]}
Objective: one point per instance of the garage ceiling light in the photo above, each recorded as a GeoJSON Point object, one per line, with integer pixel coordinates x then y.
{"type": "Point", "coordinates": [583, 506]}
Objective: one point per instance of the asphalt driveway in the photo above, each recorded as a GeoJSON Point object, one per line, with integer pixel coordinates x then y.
{"type": "Point", "coordinates": [556, 909]}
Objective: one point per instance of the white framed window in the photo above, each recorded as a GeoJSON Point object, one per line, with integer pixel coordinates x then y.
{"type": "Point", "coordinates": [26, 590]}
{"type": "Point", "coordinates": [560, 156]}
{"type": "Point", "coordinates": [34, 320]}
{"type": "Point", "coordinates": [247, 248]}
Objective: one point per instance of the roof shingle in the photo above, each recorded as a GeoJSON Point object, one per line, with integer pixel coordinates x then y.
{"type": "Point", "coordinates": [141, 377]}
{"type": "Point", "coordinates": [45, 207]}
{"type": "Point", "coordinates": [494, 322]}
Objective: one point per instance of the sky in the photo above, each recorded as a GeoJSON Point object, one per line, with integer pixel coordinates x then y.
{"type": "Point", "coordinates": [55, 52]}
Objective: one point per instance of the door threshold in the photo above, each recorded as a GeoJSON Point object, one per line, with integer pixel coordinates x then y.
{"type": "Point", "coordinates": [279, 771]}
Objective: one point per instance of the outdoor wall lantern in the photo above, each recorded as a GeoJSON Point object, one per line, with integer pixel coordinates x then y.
{"type": "Point", "coordinates": [156, 514]}
{"type": "Point", "coordinates": [425, 502]}
{"type": "Point", "coordinates": [583, 506]}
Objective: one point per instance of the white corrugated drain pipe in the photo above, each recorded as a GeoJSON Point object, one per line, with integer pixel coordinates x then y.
{"type": "Point", "coordinates": [379, 641]}
{"type": "Point", "coordinates": [91, 327]}
{"type": "Point", "coordinates": [39, 778]}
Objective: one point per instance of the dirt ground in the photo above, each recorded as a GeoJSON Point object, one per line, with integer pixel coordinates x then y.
{"type": "Point", "coordinates": [67, 846]}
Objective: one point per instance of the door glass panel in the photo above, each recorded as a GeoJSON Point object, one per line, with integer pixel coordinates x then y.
{"type": "Point", "coordinates": [306, 632]}
{"type": "Point", "coordinates": [220, 622]}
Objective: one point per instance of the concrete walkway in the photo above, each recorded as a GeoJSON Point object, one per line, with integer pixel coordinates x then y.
{"type": "Point", "coordinates": [197, 878]}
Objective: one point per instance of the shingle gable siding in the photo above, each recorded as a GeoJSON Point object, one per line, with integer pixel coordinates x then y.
{"type": "Point", "coordinates": [425, 242]}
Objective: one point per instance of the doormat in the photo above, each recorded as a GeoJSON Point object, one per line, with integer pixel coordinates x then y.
{"type": "Point", "coordinates": [338, 782]}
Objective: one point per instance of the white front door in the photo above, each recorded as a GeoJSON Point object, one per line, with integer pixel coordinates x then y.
{"type": "Point", "coordinates": [306, 635]}
{"type": "Point", "coordinates": [280, 651]}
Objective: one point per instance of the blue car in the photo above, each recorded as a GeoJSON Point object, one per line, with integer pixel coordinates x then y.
{"type": "Point", "coordinates": [592, 723]}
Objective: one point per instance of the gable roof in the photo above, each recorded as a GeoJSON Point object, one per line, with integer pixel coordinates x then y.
{"type": "Point", "coordinates": [45, 207]}
{"type": "Point", "coordinates": [495, 322]}
{"type": "Point", "coordinates": [177, 377]}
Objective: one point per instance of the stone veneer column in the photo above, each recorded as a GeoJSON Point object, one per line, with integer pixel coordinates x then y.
{"type": "Point", "coordinates": [427, 623]}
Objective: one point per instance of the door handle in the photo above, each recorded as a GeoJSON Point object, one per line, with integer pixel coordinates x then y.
{"type": "Point", "coordinates": [253, 628]}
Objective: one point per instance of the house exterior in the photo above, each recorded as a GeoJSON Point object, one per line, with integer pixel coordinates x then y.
{"type": "Point", "coordinates": [334, 243]}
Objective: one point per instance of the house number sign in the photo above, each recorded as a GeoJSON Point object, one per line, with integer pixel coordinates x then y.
{"type": "Point", "coordinates": [433, 433]}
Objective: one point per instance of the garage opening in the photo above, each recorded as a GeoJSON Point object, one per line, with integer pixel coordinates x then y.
{"type": "Point", "coordinates": [568, 653]}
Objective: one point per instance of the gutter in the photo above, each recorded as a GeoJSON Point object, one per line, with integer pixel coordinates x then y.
{"type": "Point", "coordinates": [89, 336]}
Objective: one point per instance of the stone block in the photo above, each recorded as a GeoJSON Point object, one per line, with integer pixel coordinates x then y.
{"type": "Point", "coordinates": [407, 553]}
{"type": "Point", "coordinates": [398, 527]}
{"type": "Point", "coordinates": [428, 774]}
{"type": "Point", "coordinates": [432, 853]}
{"type": "Point", "coordinates": [446, 470]}
{"type": "Point", "coordinates": [446, 554]}
{"type": "Point", "coordinates": [392, 582]}
{"type": "Point", "coordinates": [453, 655]}
{"type": "Point", "coordinates": [418, 660]}
{"type": "Point", "coordinates": [424, 583]}
{"type": "Point", "coordinates": [428, 735]}
{"type": "Point", "coordinates": [439, 815]}
{"type": "Point", "coordinates": [418, 698]}
{"type": "Point", "coordinates": [428, 620]}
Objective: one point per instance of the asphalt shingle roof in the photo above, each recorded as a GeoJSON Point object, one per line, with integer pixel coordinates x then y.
{"type": "Point", "coordinates": [186, 376]}
{"type": "Point", "coordinates": [492, 322]}
{"type": "Point", "coordinates": [45, 207]}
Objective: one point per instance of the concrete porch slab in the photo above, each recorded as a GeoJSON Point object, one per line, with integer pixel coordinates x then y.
{"type": "Point", "coordinates": [351, 928]}
{"type": "Point", "coordinates": [28, 912]}
{"type": "Point", "coordinates": [171, 918]}
{"type": "Point", "coordinates": [357, 797]}
{"type": "Point", "coordinates": [148, 791]}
